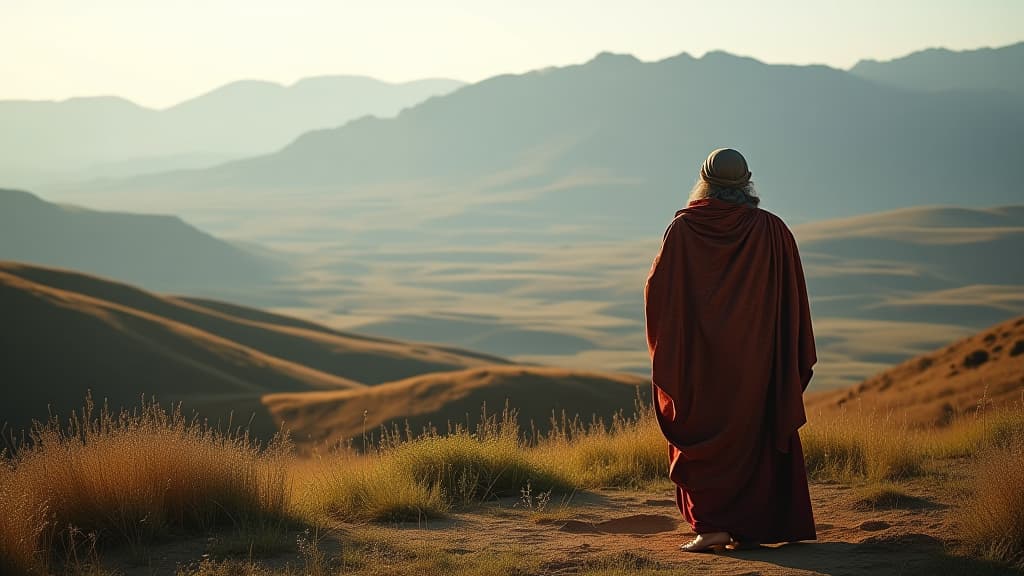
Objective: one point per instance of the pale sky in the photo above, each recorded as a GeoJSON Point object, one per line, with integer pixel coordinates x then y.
{"type": "Point", "coordinates": [160, 52]}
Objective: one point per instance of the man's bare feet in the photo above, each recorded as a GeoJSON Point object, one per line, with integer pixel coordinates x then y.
{"type": "Point", "coordinates": [706, 542]}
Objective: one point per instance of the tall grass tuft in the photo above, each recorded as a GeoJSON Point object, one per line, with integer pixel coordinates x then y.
{"type": "Point", "coordinates": [424, 477]}
{"type": "Point", "coordinates": [368, 488]}
{"type": "Point", "coordinates": [21, 529]}
{"type": "Point", "coordinates": [629, 453]}
{"type": "Point", "coordinates": [977, 432]}
{"type": "Point", "coordinates": [132, 477]}
{"type": "Point", "coordinates": [992, 519]}
{"type": "Point", "coordinates": [857, 446]}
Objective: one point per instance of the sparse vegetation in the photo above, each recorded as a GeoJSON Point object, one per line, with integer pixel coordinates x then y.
{"type": "Point", "coordinates": [882, 495]}
{"type": "Point", "coordinates": [135, 478]}
{"type": "Point", "coordinates": [131, 478]}
{"type": "Point", "coordinates": [631, 452]}
{"type": "Point", "coordinates": [992, 519]}
{"type": "Point", "coordinates": [857, 447]}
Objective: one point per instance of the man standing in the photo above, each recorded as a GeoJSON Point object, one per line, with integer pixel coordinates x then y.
{"type": "Point", "coordinates": [729, 333]}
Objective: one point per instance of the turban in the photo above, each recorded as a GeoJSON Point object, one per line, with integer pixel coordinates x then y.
{"type": "Point", "coordinates": [725, 167]}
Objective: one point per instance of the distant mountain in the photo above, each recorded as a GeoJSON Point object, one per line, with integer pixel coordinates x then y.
{"type": "Point", "coordinates": [998, 70]}
{"type": "Point", "coordinates": [983, 369]}
{"type": "Point", "coordinates": [102, 137]}
{"type": "Point", "coordinates": [159, 252]}
{"type": "Point", "coordinates": [614, 145]}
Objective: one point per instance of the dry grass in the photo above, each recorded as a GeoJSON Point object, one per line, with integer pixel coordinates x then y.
{"type": "Point", "coordinates": [992, 520]}
{"type": "Point", "coordinates": [419, 478]}
{"type": "Point", "coordinates": [883, 495]}
{"type": "Point", "coordinates": [630, 453]}
{"type": "Point", "coordinates": [24, 518]}
{"type": "Point", "coordinates": [136, 477]}
{"type": "Point", "coordinates": [977, 432]}
{"type": "Point", "coordinates": [131, 478]}
{"type": "Point", "coordinates": [368, 489]}
{"type": "Point", "coordinates": [857, 446]}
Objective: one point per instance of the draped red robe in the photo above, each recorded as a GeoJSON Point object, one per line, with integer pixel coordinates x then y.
{"type": "Point", "coordinates": [729, 333]}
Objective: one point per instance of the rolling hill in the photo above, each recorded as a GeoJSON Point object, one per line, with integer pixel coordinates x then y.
{"type": "Point", "coordinates": [437, 400]}
{"type": "Point", "coordinates": [108, 137]}
{"type": "Point", "coordinates": [65, 333]}
{"type": "Point", "coordinates": [159, 252]}
{"type": "Point", "coordinates": [986, 368]}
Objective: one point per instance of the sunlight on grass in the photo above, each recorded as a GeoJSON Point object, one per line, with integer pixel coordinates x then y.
{"type": "Point", "coordinates": [992, 520]}
{"type": "Point", "coordinates": [133, 477]}
{"type": "Point", "coordinates": [104, 480]}
{"type": "Point", "coordinates": [856, 446]}
{"type": "Point", "coordinates": [630, 453]}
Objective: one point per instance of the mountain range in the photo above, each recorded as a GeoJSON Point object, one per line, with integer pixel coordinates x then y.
{"type": "Point", "coordinates": [109, 137]}
{"type": "Point", "coordinates": [614, 144]}
{"type": "Point", "coordinates": [517, 216]}
{"type": "Point", "coordinates": [994, 70]}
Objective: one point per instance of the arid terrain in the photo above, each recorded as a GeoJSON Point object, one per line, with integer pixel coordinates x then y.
{"type": "Point", "coordinates": [912, 472]}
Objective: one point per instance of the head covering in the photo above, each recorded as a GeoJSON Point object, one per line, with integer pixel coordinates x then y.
{"type": "Point", "coordinates": [727, 168]}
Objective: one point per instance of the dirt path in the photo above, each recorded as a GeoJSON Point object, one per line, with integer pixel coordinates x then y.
{"type": "Point", "coordinates": [905, 540]}
{"type": "Point", "coordinates": [644, 529]}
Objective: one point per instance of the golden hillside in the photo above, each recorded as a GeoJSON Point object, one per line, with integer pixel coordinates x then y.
{"type": "Point", "coordinates": [535, 392]}
{"type": "Point", "coordinates": [65, 333]}
{"type": "Point", "coordinates": [987, 367]}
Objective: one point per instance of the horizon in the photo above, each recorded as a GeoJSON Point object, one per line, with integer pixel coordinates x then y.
{"type": "Point", "coordinates": [322, 39]}
{"type": "Point", "coordinates": [297, 81]}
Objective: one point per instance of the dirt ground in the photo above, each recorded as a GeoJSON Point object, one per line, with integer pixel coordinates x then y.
{"type": "Point", "coordinates": [566, 535]}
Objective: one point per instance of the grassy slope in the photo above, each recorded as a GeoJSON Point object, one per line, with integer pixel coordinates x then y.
{"type": "Point", "coordinates": [455, 397]}
{"type": "Point", "coordinates": [934, 387]}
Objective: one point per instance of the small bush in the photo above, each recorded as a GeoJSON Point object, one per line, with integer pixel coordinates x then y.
{"type": "Point", "coordinates": [883, 495]}
{"type": "Point", "coordinates": [975, 358]}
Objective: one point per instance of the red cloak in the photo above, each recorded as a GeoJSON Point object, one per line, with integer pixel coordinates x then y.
{"type": "Point", "coordinates": [729, 333]}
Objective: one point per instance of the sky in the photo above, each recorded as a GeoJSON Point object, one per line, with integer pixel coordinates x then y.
{"type": "Point", "coordinates": [159, 52]}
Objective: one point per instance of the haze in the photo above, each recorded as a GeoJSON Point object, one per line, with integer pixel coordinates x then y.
{"type": "Point", "coordinates": [158, 54]}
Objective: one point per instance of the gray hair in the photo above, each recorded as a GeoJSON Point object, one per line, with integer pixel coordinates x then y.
{"type": "Point", "coordinates": [743, 195]}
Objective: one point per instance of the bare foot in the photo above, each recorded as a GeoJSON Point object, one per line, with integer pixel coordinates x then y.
{"type": "Point", "coordinates": [743, 545]}
{"type": "Point", "coordinates": [706, 542]}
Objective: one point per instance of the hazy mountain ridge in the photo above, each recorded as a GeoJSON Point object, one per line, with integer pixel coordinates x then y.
{"type": "Point", "coordinates": [98, 137]}
{"type": "Point", "coordinates": [615, 141]}
{"type": "Point", "coordinates": [938, 69]}
{"type": "Point", "coordinates": [157, 251]}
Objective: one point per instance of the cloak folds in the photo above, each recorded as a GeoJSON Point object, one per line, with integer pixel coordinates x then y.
{"type": "Point", "coordinates": [732, 350]}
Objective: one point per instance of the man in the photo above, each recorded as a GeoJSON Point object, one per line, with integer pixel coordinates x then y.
{"type": "Point", "coordinates": [729, 333]}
